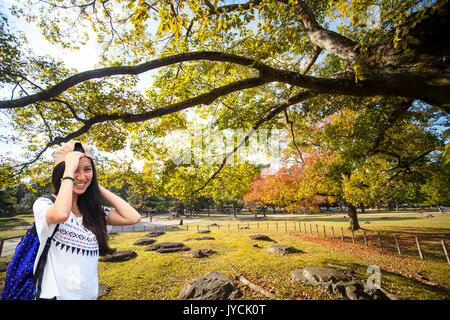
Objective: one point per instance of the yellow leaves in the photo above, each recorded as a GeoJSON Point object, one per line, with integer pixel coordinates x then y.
{"type": "Point", "coordinates": [140, 14]}
{"type": "Point", "coordinates": [173, 24]}
{"type": "Point", "coordinates": [359, 75]}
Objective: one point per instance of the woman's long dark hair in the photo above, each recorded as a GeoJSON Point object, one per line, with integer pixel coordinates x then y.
{"type": "Point", "coordinates": [90, 205]}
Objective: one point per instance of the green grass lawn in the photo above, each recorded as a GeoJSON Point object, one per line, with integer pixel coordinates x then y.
{"type": "Point", "coordinates": [161, 276]}
{"type": "Point", "coordinates": [152, 275]}
{"type": "Point", "coordinates": [15, 226]}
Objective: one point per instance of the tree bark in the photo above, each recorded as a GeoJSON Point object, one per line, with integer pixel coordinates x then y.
{"type": "Point", "coordinates": [354, 224]}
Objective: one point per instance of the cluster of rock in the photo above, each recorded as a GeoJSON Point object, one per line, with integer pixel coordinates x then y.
{"type": "Point", "coordinates": [155, 234]}
{"type": "Point", "coordinates": [277, 248]}
{"type": "Point", "coordinates": [200, 238]}
{"type": "Point", "coordinates": [338, 283]}
{"type": "Point", "coordinates": [213, 286]}
{"type": "Point", "coordinates": [144, 242]}
{"type": "Point", "coordinates": [202, 253]}
{"type": "Point", "coordinates": [283, 249]}
{"type": "Point", "coordinates": [168, 247]}
{"type": "Point", "coordinates": [118, 256]}
{"type": "Point", "coordinates": [261, 237]}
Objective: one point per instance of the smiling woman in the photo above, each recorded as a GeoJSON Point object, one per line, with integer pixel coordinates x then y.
{"type": "Point", "coordinates": [79, 218]}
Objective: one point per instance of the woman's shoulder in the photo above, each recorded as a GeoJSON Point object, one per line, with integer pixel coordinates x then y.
{"type": "Point", "coordinates": [44, 200]}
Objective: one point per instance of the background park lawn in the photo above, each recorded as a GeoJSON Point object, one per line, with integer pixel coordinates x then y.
{"type": "Point", "coordinates": [152, 275]}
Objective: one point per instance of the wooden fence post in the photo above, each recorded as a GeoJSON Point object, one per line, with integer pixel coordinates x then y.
{"type": "Point", "coordinates": [342, 234]}
{"type": "Point", "coordinates": [317, 230]}
{"type": "Point", "coordinates": [304, 224]}
{"type": "Point", "coordinates": [443, 246]}
{"type": "Point", "coordinates": [418, 248]}
{"type": "Point", "coordinates": [324, 232]}
{"type": "Point", "coordinates": [1, 246]}
{"type": "Point", "coordinates": [332, 232]}
{"type": "Point", "coordinates": [353, 236]}
{"type": "Point", "coordinates": [285, 226]}
{"type": "Point", "coordinates": [396, 243]}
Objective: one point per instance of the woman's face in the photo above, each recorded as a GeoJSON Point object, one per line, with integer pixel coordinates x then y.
{"type": "Point", "coordinates": [83, 176]}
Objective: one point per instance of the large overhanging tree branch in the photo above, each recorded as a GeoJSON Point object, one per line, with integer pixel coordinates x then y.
{"type": "Point", "coordinates": [205, 98]}
{"type": "Point", "coordinates": [389, 71]}
{"type": "Point", "coordinates": [400, 84]}
{"type": "Point", "coordinates": [422, 64]}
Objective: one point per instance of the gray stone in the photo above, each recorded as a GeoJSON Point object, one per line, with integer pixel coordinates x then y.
{"type": "Point", "coordinates": [201, 238]}
{"type": "Point", "coordinates": [283, 249]}
{"type": "Point", "coordinates": [202, 253]}
{"type": "Point", "coordinates": [155, 234]}
{"type": "Point", "coordinates": [144, 242]}
{"type": "Point", "coordinates": [213, 286]}
{"type": "Point", "coordinates": [317, 275]}
{"type": "Point", "coordinates": [168, 247]}
{"type": "Point", "coordinates": [118, 256]}
{"type": "Point", "coordinates": [261, 237]}
{"type": "Point", "coordinates": [170, 250]}
{"type": "Point", "coordinates": [205, 238]}
{"type": "Point", "coordinates": [103, 290]}
{"type": "Point", "coordinates": [204, 231]}
{"type": "Point", "coordinates": [337, 282]}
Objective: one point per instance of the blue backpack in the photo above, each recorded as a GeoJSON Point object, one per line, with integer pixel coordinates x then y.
{"type": "Point", "coordinates": [20, 283]}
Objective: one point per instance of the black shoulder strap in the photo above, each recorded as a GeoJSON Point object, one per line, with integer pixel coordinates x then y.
{"type": "Point", "coordinates": [37, 278]}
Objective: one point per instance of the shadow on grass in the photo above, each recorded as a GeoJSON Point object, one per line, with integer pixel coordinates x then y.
{"type": "Point", "coordinates": [13, 223]}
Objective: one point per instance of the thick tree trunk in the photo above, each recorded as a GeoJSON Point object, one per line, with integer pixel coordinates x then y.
{"type": "Point", "coordinates": [354, 225]}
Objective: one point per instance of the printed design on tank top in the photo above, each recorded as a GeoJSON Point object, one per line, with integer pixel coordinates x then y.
{"type": "Point", "coordinates": [72, 237]}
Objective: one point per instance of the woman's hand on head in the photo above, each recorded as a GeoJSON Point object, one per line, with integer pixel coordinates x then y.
{"type": "Point", "coordinates": [72, 160]}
